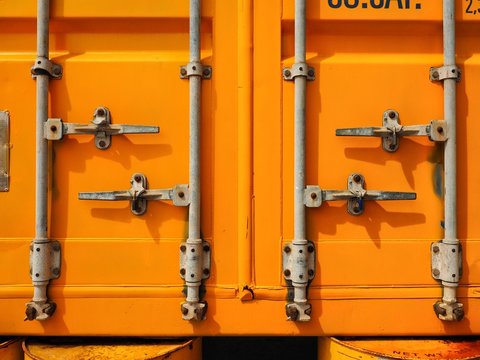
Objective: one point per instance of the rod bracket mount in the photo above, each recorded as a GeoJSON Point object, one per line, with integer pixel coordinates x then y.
{"type": "Point", "coordinates": [45, 260]}
{"type": "Point", "coordinates": [190, 269]}
{"type": "Point", "coordinates": [298, 69]}
{"type": "Point", "coordinates": [445, 72]}
{"type": "Point", "coordinates": [44, 66]}
{"type": "Point", "coordinates": [196, 68]}
{"type": "Point", "coordinates": [446, 262]}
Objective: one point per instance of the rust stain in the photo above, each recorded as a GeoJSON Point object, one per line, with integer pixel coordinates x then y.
{"type": "Point", "coordinates": [419, 349]}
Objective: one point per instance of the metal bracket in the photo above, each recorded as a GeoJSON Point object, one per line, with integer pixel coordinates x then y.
{"type": "Point", "coordinates": [196, 69]}
{"type": "Point", "coordinates": [446, 262]}
{"type": "Point", "coordinates": [392, 131]}
{"type": "Point", "coordinates": [138, 195]}
{"type": "Point", "coordinates": [299, 69]}
{"type": "Point", "coordinates": [189, 255]}
{"type": "Point", "coordinates": [4, 150]}
{"type": "Point", "coordinates": [298, 264]}
{"type": "Point", "coordinates": [45, 260]}
{"type": "Point", "coordinates": [101, 127]}
{"type": "Point", "coordinates": [355, 195]}
{"type": "Point", "coordinates": [445, 72]}
{"type": "Point", "coordinates": [291, 260]}
{"type": "Point", "coordinates": [44, 66]}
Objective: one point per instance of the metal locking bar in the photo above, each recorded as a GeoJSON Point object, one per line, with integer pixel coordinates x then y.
{"type": "Point", "coordinates": [4, 150]}
{"type": "Point", "coordinates": [447, 254]}
{"type": "Point", "coordinates": [392, 131]}
{"type": "Point", "coordinates": [101, 127]}
{"type": "Point", "coordinates": [193, 263]}
{"type": "Point", "coordinates": [355, 195]}
{"type": "Point", "coordinates": [138, 195]}
{"type": "Point", "coordinates": [42, 308]}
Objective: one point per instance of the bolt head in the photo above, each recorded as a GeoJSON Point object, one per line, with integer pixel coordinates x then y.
{"type": "Point", "coordinates": [311, 272]}
{"type": "Point", "coordinates": [184, 310]}
{"type": "Point", "coordinates": [137, 178]}
{"type": "Point", "coordinates": [287, 272]}
{"type": "Point", "coordinates": [206, 248]}
{"type": "Point", "coordinates": [435, 74]}
{"type": "Point", "coordinates": [357, 178]}
{"type": "Point", "coordinates": [206, 72]}
{"type": "Point", "coordinates": [183, 248]}
{"type": "Point", "coordinates": [311, 249]}
{"type": "Point", "coordinates": [313, 196]}
{"type": "Point", "coordinates": [206, 272]}
{"type": "Point", "coordinates": [436, 249]}
{"type": "Point", "coordinates": [287, 73]}
{"type": "Point", "coordinates": [56, 271]}
{"type": "Point", "coordinates": [182, 271]}
{"type": "Point", "coordinates": [287, 249]}
{"type": "Point", "coordinates": [183, 72]}
{"type": "Point", "coordinates": [436, 272]}
{"type": "Point", "coordinates": [392, 115]}
{"type": "Point", "coordinates": [311, 73]}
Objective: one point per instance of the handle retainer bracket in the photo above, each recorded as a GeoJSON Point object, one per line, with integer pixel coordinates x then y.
{"type": "Point", "coordinates": [298, 69]}
{"type": "Point", "coordinates": [44, 66]}
{"type": "Point", "coordinates": [196, 68]}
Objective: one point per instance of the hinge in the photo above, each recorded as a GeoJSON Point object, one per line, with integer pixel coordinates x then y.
{"type": "Point", "coordinates": [44, 66]}
{"type": "Point", "coordinates": [100, 127]}
{"type": "Point", "coordinates": [196, 68]}
{"type": "Point", "coordinates": [138, 195]}
{"type": "Point", "coordinates": [392, 131]}
{"type": "Point", "coordinates": [298, 69]}
{"type": "Point", "coordinates": [445, 72]}
{"type": "Point", "coordinates": [355, 195]}
{"type": "Point", "coordinates": [4, 150]}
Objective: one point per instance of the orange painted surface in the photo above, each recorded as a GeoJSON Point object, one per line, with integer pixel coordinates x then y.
{"type": "Point", "coordinates": [120, 273]}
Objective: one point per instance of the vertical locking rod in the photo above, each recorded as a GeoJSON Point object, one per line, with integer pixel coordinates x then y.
{"type": "Point", "coordinates": [449, 308]}
{"type": "Point", "coordinates": [193, 309]}
{"type": "Point", "coordinates": [300, 250]}
{"type": "Point", "coordinates": [41, 308]}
